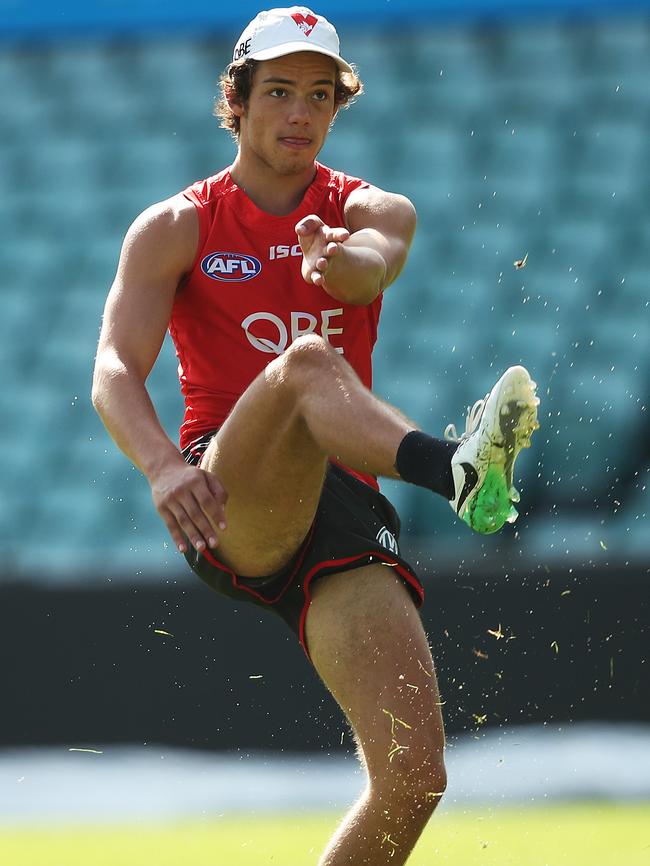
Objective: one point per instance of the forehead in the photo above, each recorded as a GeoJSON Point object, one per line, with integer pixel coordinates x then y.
{"type": "Point", "coordinates": [303, 66]}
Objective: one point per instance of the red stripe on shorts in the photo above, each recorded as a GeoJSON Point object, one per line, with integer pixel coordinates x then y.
{"type": "Point", "coordinates": [406, 576]}
{"type": "Point", "coordinates": [303, 551]}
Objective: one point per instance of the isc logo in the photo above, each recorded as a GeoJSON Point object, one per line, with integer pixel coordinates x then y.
{"type": "Point", "coordinates": [231, 267]}
{"type": "Point", "coordinates": [283, 251]}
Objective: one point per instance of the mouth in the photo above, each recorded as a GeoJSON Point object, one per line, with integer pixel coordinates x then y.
{"type": "Point", "coordinates": [295, 143]}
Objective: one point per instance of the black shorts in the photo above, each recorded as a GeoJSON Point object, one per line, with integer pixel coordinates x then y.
{"type": "Point", "coordinates": [354, 525]}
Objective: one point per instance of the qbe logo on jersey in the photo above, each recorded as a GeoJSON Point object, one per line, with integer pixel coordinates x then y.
{"type": "Point", "coordinates": [231, 267]}
{"type": "Point", "coordinates": [267, 332]}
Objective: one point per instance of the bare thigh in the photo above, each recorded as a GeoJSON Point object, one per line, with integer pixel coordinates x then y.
{"type": "Point", "coordinates": [273, 472]}
{"type": "Point", "coordinates": [367, 642]}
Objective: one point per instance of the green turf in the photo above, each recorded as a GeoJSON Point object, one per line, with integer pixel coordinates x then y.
{"type": "Point", "coordinates": [565, 835]}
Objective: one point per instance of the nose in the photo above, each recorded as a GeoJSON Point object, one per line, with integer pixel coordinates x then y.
{"type": "Point", "coordinates": [299, 112]}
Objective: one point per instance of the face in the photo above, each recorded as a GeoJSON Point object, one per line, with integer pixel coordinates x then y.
{"type": "Point", "coordinates": [290, 109]}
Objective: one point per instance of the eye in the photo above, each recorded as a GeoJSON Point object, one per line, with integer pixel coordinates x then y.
{"type": "Point", "coordinates": [321, 96]}
{"type": "Point", "coordinates": [278, 92]}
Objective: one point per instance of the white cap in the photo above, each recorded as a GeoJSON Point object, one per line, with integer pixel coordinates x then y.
{"type": "Point", "coordinates": [277, 32]}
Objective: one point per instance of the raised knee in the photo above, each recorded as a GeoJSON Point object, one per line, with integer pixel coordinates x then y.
{"type": "Point", "coordinates": [305, 358]}
{"type": "Point", "coordinates": [308, 348]}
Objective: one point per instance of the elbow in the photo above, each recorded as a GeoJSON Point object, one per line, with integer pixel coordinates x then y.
{"type": "Point", "coordinates": [110, 376]}
{"type": "Point", "coordinates": [103, 375]}
{"type": "Point", "coordinates": [97, 391]}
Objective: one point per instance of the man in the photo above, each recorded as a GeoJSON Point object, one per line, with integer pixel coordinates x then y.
{"type": "Point", "coordinates": [270, 276]}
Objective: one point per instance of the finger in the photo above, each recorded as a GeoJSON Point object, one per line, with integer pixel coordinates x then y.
{"type": "Point", "coordinates": [174, 530]}
{"type": "Point", "coordinates": [338, 234]}
{"type": "Point", "coordinates": [206, 533]}
{"type": "Point", "coordinates": [306, 242]}
{"type": "Point", "coordinates": [188, 526]}
{"type": "Point", "coordinates": [211, 515]}
{"type": "Point", "coordinates": [322, 264]}
{"type": "Point", "coordinates": [331, 249]}
{"type": "Point", "coordinates": [216, 508]}
{"type": "Point", "coordinates": [308, 225]}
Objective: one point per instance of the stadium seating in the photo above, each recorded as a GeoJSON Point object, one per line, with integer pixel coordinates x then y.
{"type": "Point", "coordinates": [510, 139]}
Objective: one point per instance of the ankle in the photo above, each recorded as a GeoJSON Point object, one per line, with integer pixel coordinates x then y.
{"type": "Point", "coordinates": [426, 461]}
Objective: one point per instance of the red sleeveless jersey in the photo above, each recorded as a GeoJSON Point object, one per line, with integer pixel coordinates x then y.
{"type": "Point", "coordinates": [245, 301]}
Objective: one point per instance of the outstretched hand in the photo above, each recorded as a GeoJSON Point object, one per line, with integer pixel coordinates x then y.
{"type": "Point", "coordinates": [192, 503]}
{"type": "Point", "coordinates": [320, 243]}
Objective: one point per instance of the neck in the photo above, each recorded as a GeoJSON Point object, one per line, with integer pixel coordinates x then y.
{"type": "Point", "coordinates": [277, 194]}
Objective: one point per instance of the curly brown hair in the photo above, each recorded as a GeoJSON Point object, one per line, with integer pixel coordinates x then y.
{"type": "Point", "coordinates": [236, 83]}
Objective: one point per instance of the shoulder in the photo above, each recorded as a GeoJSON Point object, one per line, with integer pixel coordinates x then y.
{"type": "Point", "coordinates": [370, 206]}
{"type": "Point", "coordinates": [177, 218]}
{"type": "Point", "coordinates": [204, 193]}
{"type": "Point", "coordinates": [175, 215]}
{"type": "Point", "coordinates": [363, 201]}
{"type": "Point", "coordinates": [168, 229]}
{"type": "Point", "coordinates": [338, 182]}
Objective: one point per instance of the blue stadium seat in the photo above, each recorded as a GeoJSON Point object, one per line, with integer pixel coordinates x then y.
{"type": "Point", "coordinates": [535, 49]}
{"type": "Point", "coordinates": [619, 46]}
{"type": "Point", "coordinates": [449, 75]}
{"type": "Point", "coordinates": [608, 161]}
{"type": "Point", "coordinates": [441, 158]}
{"type": "Point", "coordinates": [629, 290]}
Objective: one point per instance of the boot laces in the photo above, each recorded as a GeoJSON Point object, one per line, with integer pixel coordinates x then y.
{"type": "Point", "coordinates": [474, 415]}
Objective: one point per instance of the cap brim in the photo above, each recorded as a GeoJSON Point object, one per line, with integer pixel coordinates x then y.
{"type": "Point", "coordinates": [294, 48]}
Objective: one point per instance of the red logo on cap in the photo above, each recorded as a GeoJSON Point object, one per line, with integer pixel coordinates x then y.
{"type": "Point", "coordinates": [305, 23]}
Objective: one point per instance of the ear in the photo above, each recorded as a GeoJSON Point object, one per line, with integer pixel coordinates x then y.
{"type": "Point", "coordinates": [234, 105]}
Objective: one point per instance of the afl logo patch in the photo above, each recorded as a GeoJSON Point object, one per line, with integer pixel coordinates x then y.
{"type": "Point", "coordinates": [230, 267]}
{"type": "Point", "coordinates": [386, 538]}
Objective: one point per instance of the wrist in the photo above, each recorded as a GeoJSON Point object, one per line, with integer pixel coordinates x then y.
{"type": "Point", "coordinates": [356, 275]}
{"type": "Point", "coordinates": [160, 461]}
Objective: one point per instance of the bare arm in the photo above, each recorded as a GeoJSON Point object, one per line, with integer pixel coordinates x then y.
{"type": "Point", "coordinates": [158, 250]}
{"type": "Point", "coordinates": [357, 263]}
